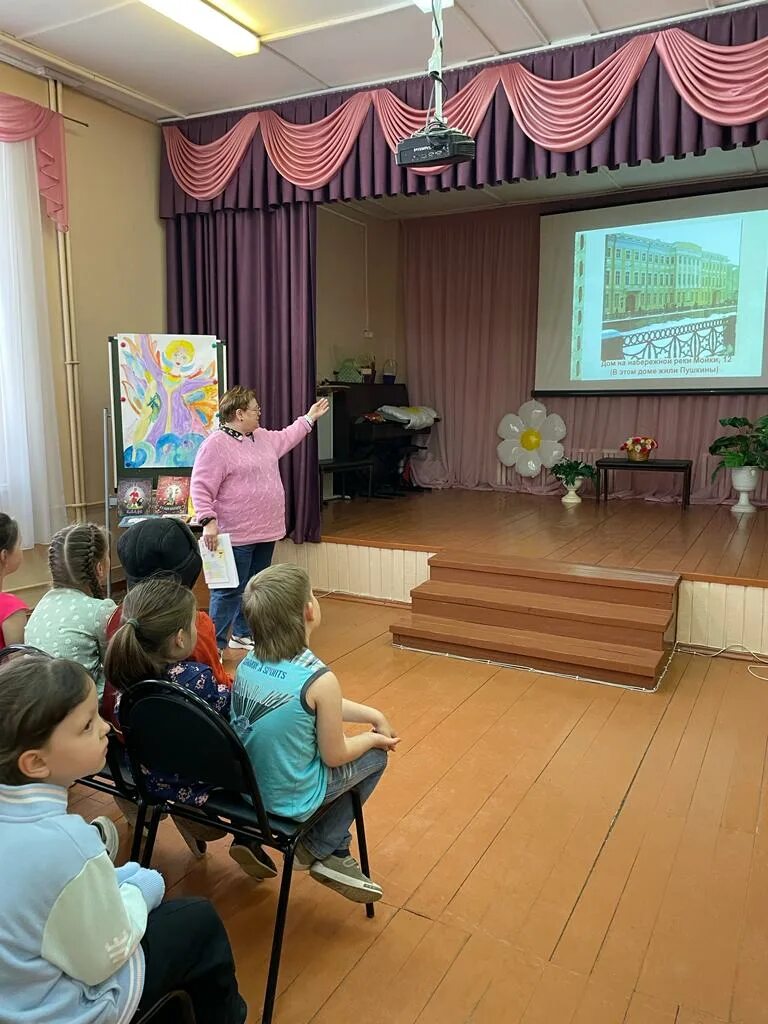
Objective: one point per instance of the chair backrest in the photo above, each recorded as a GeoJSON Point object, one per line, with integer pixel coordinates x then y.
{"type": "Point", "coordinates": [170, 731]}
{"type": "Point", "coordinates": [20, 650]}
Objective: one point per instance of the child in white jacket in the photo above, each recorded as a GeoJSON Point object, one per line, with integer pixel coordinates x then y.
{"type": "Point", "coordinates": [80, 941]}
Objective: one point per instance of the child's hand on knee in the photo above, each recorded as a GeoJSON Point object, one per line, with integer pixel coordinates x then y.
{"type": "Point", "coordinates": [381, 742]}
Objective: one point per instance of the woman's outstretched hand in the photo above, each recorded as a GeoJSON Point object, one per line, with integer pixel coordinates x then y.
{"type": "Point", "coordinates": [318, 409]}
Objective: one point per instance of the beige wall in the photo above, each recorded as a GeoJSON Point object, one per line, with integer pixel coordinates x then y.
{"type": "Point", "coordinates": [341, 268]}
{"type": "Point", "coordinates": [118, 271]}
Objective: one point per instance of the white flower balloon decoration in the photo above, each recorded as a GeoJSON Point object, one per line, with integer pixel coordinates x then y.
{"type": "Point", "coordinates": [531, 439]}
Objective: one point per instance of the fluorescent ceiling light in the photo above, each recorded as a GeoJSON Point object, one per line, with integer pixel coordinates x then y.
{"type": "Point", "coordinates": [426, 5]}
{"type": "Point", "coordinates": [210, 23]}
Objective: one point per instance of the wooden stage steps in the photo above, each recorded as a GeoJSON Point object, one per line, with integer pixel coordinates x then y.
{"type": "Point", "coordinates": [604, 624]}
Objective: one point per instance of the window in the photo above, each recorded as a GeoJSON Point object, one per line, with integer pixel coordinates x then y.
{"type": "Point", "coordinates": [31, 486]}
{"type": "Point", "coordinates": [626, 278]}
{"type": "Point", "coordinates": [618, 277]}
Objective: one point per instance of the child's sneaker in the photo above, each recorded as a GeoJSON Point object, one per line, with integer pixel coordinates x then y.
{"type": "Point", "coordinates": [302, 858]}
{"type": "Point", "coordinates": [241, 643]}
{"type": "Point", "coordinates": [197, 847]}
{"type": "Point", "coordinates": [344, 876]}
{"type": "Point", "coordinates": [253, 859]}
{"type": "Point", "coordinates": [107, 829]}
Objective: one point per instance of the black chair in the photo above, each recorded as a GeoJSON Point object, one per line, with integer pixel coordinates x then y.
{"type": "Point", "coordinates": [169, 730]}
{"type": "Point", "coordinates": [175, 1008]}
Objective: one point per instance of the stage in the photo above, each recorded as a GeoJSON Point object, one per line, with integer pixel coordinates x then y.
{"type": "Point", "coordinates": [380, 550]}
{"type": "Point", "coordinates": [704, 543]}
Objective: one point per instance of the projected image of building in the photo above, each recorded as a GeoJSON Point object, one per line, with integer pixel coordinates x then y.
{"type": "Point", "coordinates": [646, 276]}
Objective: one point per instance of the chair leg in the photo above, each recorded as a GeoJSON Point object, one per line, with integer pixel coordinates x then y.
{"type": "Point", "coordinates": [277, 937]}
{"type": "Point", "coordinates": [138, 830]}
{"type": "Point", "coordinates": [149, 843]}
{"type": "Point", "coordinates": [362, 842]}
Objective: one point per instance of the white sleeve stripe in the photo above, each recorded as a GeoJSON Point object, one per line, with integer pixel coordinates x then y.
{"type": "Point", "coordinates": [135, 988]}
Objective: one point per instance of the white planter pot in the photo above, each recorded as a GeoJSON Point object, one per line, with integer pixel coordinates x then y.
{"type": "Point", "coordinates": [571, 497]}
{"type": "Point", "coordinates": [744, 480]}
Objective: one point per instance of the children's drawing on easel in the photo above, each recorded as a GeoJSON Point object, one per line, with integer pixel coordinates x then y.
{"type": "Point", "coordinates": [168, 397]}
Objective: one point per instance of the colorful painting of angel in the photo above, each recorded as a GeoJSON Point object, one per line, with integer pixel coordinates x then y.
{"type": "Point", "coordinates": [169, 397]}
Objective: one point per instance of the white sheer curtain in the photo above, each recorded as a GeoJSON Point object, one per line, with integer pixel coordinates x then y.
{"type": "Point", "coordinates": [31, 488]}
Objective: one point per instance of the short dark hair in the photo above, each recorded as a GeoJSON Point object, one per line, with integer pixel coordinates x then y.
{"type": "Point", "coordinates": [238, 397]}
{"type": "Point", "coordinates": [9, 532]}
{"type": "Point", "coordinates": [36, 694]}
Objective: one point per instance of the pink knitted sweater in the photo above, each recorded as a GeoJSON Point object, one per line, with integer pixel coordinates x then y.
{"type": "Point", "coordinates": [238, 481]}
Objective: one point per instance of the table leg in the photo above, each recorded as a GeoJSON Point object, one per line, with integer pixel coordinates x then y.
{"type": "Point", "coordinates": [687, 488]}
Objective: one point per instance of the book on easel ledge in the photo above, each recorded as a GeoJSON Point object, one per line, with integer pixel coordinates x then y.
{"type": "Point", "coordinates": [172, 497]}
{"type": "Point", "coordinates": [134, 499]}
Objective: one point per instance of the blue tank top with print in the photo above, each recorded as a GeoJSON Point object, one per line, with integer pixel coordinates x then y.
{"type": "Point", "coordinates": [270, 714]}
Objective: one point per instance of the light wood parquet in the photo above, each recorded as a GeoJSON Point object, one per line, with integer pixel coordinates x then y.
{"type": "Point", "coordinates": [702, 542]}
{"type": "Point", "coordinates": [551, 852]}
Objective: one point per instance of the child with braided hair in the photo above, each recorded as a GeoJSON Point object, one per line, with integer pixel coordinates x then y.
{"type": "Point", "coordinates": [70, 621]}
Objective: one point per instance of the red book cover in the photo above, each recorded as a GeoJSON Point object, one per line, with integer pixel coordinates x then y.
{"type": "Point", "coordinates": [172, 496]}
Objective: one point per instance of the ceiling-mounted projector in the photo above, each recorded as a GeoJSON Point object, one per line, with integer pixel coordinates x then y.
{"type": "Point", "coordinates": [436, 143]}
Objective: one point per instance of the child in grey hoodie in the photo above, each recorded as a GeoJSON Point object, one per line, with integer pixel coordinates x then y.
{"type": "Point", "coordinates": [80, 941]}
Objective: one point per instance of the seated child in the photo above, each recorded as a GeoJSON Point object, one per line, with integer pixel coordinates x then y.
{"type": "Point", "coordinates": [13, 612]}
{"type": "Point", "coordinates": [164, 547]}
{"type": "Point", "coordinates": [81, 941]}
{"type": "Point", "coordinates": [70, 621]}
{"type": "Point", "coordinates": [288, 709]}
{"type": "Point", "coordinates": [155, 641]}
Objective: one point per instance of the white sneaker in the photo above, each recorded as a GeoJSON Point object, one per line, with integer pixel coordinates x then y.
{"type": "Point", "coordinates": [241, 643]}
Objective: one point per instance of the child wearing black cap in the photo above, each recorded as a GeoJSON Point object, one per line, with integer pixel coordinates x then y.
{"type": "Point", "coordinates": [166, 547]}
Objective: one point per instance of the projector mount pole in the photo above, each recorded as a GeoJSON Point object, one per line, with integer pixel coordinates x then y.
{"type": "Point", "coordinates": [435, 66]}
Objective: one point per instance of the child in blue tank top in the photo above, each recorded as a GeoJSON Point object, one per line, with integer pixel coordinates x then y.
{"type": "Point", "coordinates": [288, 709]}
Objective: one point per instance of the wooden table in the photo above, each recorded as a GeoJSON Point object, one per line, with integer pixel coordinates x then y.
{"type": "Point", "coordinates": [604, 466]}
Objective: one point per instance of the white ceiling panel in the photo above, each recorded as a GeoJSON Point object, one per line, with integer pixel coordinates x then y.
{"type": "Point", "coordinates": [504, 24]}
{"type": "Point", "coordinates": [523, 24]}
{"type": "Point", "coordinates": [267, 16]}
{"type": "Point", "coordinates": [149, 53]}
{"type": "Point", "coordinates": [308, 44]}
{"type": "Point", "coordinates": [387, 46]}
{"type": "Point", "coordinates": [611, 14]}
{"type": "Point", "coordinates": [23, 17]}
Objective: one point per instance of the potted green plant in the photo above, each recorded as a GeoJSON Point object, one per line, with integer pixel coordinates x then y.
{"type": "Point", "coordinates": [745, 453]}
{"type": "Point", "coordinates": [571, 473]}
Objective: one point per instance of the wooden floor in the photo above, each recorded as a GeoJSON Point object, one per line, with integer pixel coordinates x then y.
{"type": "Point", "coordinates": [705, 541]}
{"type": "Point", "coordinates": [551, 852]}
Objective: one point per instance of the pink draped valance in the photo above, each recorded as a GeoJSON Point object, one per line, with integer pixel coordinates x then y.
{"type": "Point", "coordinates": [726, 84]}
{"type": "Point", "coordinates": [21, 120]}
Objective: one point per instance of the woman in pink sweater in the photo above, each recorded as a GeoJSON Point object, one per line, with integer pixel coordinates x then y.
{"type": "Point", "coordinates": [236, 489]}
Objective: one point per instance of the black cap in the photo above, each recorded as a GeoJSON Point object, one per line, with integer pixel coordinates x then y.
{"type": "Point", "coordinates": [156, 546]}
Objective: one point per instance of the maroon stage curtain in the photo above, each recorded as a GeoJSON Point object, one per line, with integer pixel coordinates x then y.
{"type": "Point", "coordinates": [249, 278]}
{"type": "Point", "coordinates": [654, 123]}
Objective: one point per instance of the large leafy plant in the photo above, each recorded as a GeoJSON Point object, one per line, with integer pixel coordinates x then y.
{"type": "Point", "coordinates": [747, 447]}
{"type": "Point", "coordinates": [568, 471]}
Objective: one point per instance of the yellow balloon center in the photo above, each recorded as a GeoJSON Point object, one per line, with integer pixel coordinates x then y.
{"type": "Point", "coordinates": [530, 439]}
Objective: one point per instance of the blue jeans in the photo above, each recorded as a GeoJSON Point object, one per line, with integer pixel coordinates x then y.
{"type": "Point", "coordinates": [226, 606]}
{"type": "Point", "coordinates": [331, 834]}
